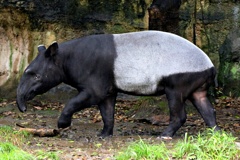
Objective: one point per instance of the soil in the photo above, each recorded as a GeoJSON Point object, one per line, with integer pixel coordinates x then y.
{"type": "Point", "coordinates": [134, 119]}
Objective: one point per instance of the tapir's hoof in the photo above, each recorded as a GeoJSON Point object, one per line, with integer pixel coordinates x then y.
{"type": "Point", "coordinates": [64, 124]}
{"type": "Point", "coordinates": [216, 128]}
{"type": "Point", "coordinates": [104, 135]}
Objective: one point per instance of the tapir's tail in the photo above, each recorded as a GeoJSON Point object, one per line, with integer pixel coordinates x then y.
{"type": "Point", "coordinates": [214, 77]}
{"type": "Point", "coordinates": [215, 83]}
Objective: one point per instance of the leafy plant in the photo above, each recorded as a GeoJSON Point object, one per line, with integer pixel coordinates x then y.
{"type": "Point", "coordinates": [10, 152]}
{"type": "Point", "coordinates": [143, 150]}
{"type": "Point", "coordinates": [208, 145]}
{"type": "Point", "coordinates": [7, 134]}
{"type": "Point", "coordinates": [11, 139]}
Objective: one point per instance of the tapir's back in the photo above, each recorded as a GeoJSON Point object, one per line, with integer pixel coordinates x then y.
{"type": "Point", "coordinates": [145, 57]}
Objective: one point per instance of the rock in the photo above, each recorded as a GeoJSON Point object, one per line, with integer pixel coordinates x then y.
{"type": "Point", "coordinates": [230, 49]}
{"type": "Point", "coordinates": [229, 69]}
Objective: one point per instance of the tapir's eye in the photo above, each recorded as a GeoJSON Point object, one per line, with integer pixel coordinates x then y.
{"type": "Point", "coordinates": [37, 77]}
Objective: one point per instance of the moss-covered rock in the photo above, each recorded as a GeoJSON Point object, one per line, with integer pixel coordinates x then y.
{"type": "Point", "coordinates": [229, 70]}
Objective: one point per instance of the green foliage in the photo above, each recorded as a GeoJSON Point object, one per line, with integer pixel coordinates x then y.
{"type": "Point", "coordinates": [235, 71]}
{"type": "Point", "coordinates": [207, 145]}
{"type": "Point", "coordinates": [10, 152]}
{"type": "Point", "coordinates": [142, 150]}
{"type": "Point", "coordinates": [228, 77]}
{"type": "Point", "coordinates": [10, 139]}
{"type": "Point", "coordinates": [7, 134]}
{"type": "Point", "coordinates": [2, 99]}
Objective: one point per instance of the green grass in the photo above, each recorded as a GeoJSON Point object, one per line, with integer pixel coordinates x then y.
{"type": "Point", "coordinates": [143, 150]}
{"type": "Point", "coordinates": [10, 152]}
{"type": "Point", "coordinates": [204, 146]}
{"type": "Point", "coordinates": [208, 145]}
{"type": "Point", "coordinates": [12, 141]}
{"type": "Point", "coordinates": [8, 134]}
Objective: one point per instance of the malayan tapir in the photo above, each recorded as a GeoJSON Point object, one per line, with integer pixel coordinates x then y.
{"type": "Point", "coordinates": [137, 63]}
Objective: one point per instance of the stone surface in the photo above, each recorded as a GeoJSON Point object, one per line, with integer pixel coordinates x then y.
{"type": "Point", "coordinates": [229, 70]}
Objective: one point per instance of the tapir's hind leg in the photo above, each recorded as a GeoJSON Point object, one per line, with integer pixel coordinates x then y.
{"type": "Point", "coordinates": [107, 109]}
{"type": "Point", "coordinates": [204, 107]}
{"type": "Point", "coordinates": [177, 112]}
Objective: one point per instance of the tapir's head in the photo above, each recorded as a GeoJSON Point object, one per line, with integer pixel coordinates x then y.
{"type": "Point", "coordinates": [43, 73]}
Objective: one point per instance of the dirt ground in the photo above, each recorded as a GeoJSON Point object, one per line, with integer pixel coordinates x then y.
{"type": "Point", "coordinates": [135, 118]}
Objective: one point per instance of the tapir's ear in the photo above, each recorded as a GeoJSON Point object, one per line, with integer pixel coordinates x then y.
{"type": "Point", "coordinates": [41, 48]}
{"type": "Point", "coordinates": [52, 50]}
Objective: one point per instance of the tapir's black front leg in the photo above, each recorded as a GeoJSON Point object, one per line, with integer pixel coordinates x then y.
{"type": "Point", "coordinates": [77, 103]}
{"type": "Point", "coordinates": [177, 112]}
{"type": "Point", "coordinates": [107, 109]}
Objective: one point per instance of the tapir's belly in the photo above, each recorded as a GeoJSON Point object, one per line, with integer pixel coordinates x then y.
{"type": "Point", "coordinates": [142, 62]}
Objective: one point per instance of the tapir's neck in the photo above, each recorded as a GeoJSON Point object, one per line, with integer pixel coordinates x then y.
{"type": "Point", "coordinates": [68, 65]}
{"type": "Point", "coordinates": [87, 57]}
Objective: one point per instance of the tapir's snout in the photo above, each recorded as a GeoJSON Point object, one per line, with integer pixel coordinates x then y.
{"type": "Point", "coordinates": [21, 102]}
{"type": "Point", "coordinates": [22, 108]}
